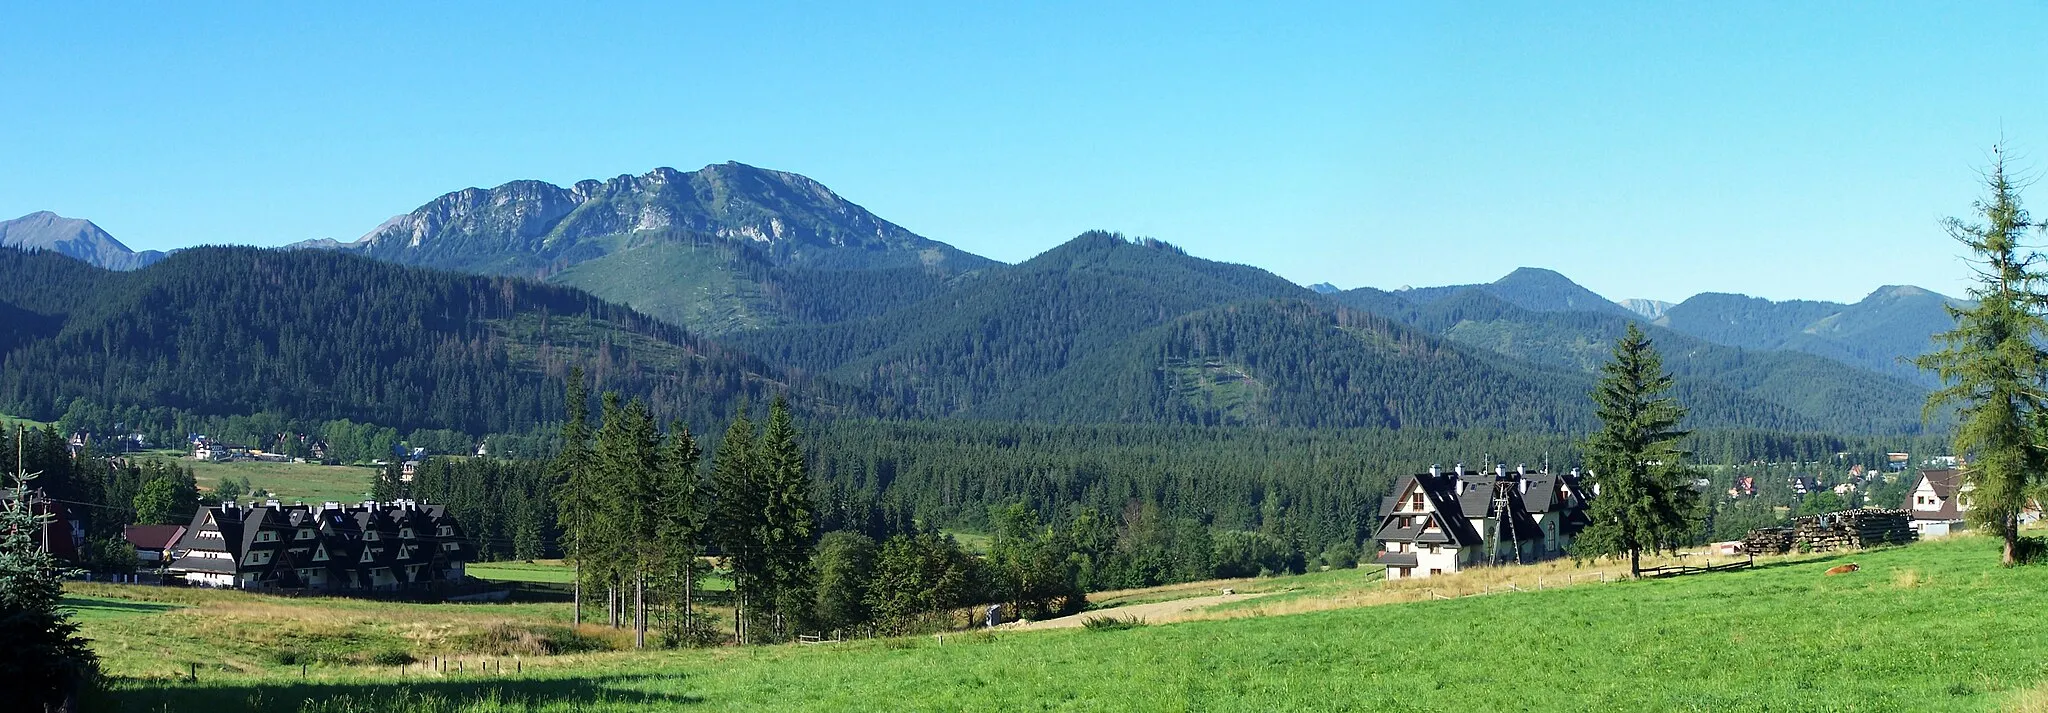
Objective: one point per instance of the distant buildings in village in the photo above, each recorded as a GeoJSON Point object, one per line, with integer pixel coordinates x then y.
{"type": "Point", "coordinates": [398, 546]}
{"type": "Point", "coordinates": [1438, 523]}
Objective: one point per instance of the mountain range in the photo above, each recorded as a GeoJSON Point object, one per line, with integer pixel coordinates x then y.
{"type": "Point", "coordinates": [780, 281]}
{"type": "Point", "coordinates": [72, 237]}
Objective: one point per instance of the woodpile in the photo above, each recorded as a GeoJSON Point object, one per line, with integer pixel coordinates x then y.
{"type": "Point", "coordinates": [1862, 527]}
{"type": "Point", "coordinates": [1768, 541]}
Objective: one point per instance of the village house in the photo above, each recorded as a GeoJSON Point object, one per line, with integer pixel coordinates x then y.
{"type": "Point", "coordinates": [154, 544]}
{"type": "Point", "coordinates": [1436, 523]}
{"type": "Point", "coordinates": [1939, 503]}
{"type": "Point", "coordinates": [399, 546]}
{"type": "Point", "coordinates": [62, 534]}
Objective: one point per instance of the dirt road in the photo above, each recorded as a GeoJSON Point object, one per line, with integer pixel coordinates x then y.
{"type": "Point", "coordinates": [1153, 613]}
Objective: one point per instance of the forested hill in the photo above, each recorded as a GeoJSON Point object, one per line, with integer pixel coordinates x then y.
{"type": "Point", "coordinates": [1008, 329]}
{"type": "Point", "coordinates": [1805, 388]}
{"type": "Point", "coordinates": [319, 335]}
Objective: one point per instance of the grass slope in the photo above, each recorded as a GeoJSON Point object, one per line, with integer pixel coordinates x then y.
{"type": "Point", "coordinates": [1935, 626]}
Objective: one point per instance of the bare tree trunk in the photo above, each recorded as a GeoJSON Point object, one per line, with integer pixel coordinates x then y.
{"type": "Point", "coordinates": [639, 610]}
{"type": "Point", "coordinates": [689, 597]}
{"type": "Point", "coordinates": [576, 613]}
{"type": "Point", "coordinates": [1635, 564]}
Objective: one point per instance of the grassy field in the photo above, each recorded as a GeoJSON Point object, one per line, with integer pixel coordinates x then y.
{"type": "Point", "coordinates": [1936, 626]}
{"type": "Point", "coordinates": [286, 481]}
{"type": "Point", "coordinates": [553, 572]}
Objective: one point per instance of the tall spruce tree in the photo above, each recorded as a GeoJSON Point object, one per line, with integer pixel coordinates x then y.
{"type": "Point", "coordinates": [789, 521]}
{"type": "Point", "coordinates": [1992, 366]}
{"type": "Point", "coordinates": [571, 468]}
{"type": "Point", "coordinates": [1644, 498]}
{"type": "Point", "coordinates": [737, 516]}
{"type": "Point", "coordinates": [628, 463]}
{"type": "Point", "coordinates": [679, 534]}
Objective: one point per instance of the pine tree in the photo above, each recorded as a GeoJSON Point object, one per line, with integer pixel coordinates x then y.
{"type": "Point", "coordinates": [390, 482]}
{"type": "Point", "coordinates": [789, 523]}
{"type": "Point", "coordinates": [1992, 366]}
{"type": "Point", "coordinates": [738, 504]}
{"type": "Point", "coordinates": [1644, 496]}
{"type": "Point", "coordinates": [572, 490]}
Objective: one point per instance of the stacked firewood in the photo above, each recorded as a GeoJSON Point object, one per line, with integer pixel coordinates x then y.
{"type": "Point", "coordinates": [1862, 527]}
{"type": "Point", "coordinates": [1768, 541]}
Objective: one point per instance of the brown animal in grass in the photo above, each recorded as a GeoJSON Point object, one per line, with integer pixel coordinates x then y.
{"type": "Point", "coordinates": [1844, 569]}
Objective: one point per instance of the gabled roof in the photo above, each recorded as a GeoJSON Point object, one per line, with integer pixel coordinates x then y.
{"type": "Point", "coordinates": [1944, 480]}
{"type": "Point", "coordinates": [153, 537]}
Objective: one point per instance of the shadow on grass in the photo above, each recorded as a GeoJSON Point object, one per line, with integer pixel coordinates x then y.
{"type": "Point", "coordinates": [88, 607]}
{"type": "Point", "coordinates": [422, 695]}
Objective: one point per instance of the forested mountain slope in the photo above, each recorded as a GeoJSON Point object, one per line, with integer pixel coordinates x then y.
{"type": "Point", "coordinates": [1009, 328]}
{"type": "Point", "coordinates": [319, 335]}
{"type": "Point", "coordinates": [1881, 333]}
{"type": "Point", "coordinates": [719, 286]}
{"type": "Point", "coordinates": [1821, 392]}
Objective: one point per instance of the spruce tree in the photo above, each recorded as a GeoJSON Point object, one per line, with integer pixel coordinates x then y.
{"type": "Point", "coordinates": [789, 520]}
{"type": "Point", "coordinates": [679, 532]}
{"type": "Point", "coordinates": [628, 460]}
{"type": "Point", "coordinates": [571, 469]}
{"type": "Point", "coordinates": [1644, 497]}
{"type": "Point", "coordinates": [1992, 366]}
{"type": "Point", "coordinates": [44, 659]}
{"type": "Point", "coordinates": [738, 504]}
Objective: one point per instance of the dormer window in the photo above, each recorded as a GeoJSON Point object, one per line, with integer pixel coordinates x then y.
{"type": "Point", "coordinates": [266, 536]}
{"type": "Point", "coordinates": [320, 554]}
{"type": "Point", "coordinates": [369, 535]}
{"type": "Point", "coordinates": [257, 557]}
{"type": "Point", "coordinates": [305, 533]}
{"type": "Point", "coordinates": [445, 531]}
{"type": "Point", "coordinates": [405, 533]}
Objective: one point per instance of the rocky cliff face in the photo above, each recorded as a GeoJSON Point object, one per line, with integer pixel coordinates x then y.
{"type": "Point", "coordinates": [532, 225]}
{"type": "Point", "coordinates": [74, 237]}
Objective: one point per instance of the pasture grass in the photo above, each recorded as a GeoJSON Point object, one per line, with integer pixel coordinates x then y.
{"type": "Point", "coordinates": [556, 571]}
{"type": "Point", "coordinates": [287, 482]}
{"type": "Point", "coordinates": [1936, 626]}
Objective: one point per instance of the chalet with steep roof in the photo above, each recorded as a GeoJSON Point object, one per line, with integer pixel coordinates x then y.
{"type": "Point", "coordinates": [400, 546]}
{"type": "Point", "coordinates": [1439, 523]}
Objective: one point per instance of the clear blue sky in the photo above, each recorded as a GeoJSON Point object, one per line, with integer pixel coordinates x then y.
{"type": "Point", "coordinates": [1788, 150]}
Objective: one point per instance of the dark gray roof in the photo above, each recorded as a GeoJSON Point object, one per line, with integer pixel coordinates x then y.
{"type": "Point", "coordinates": [1396, 559]}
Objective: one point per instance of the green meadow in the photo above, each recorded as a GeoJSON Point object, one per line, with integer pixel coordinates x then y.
{"type": "Point", "coordinates": [1936, 626]}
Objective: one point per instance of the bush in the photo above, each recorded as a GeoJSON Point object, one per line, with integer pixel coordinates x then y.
{"type": "Point", "coordinates": [291, 657]}
{"type": "Point", "coordinates": [393, 657]}
{"type": "Point", "coordinates": [509, 639]}
{"type": "Point", "coordinates": [1112, 623]}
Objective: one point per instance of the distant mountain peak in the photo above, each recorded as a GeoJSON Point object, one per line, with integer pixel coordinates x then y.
{"type": "Point", "coordinates": [535, 226]}
{"type": "Point", "coordinates": [1325, 288]}
{"type": "Point", "coordinates": [1648, 309]}
{"type": "Point", "coordinates": [73, 237]}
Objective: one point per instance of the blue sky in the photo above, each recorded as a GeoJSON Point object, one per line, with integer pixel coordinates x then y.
{"type": "Point", "coordinates": [1788, 150]}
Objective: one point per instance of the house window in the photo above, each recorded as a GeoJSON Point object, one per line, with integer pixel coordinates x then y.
{"type": "Point", "coordinates": [1415, 501]}
{"type": "Point", "coordinates": [405, 533]}
{"type": "Point", "coordinates": [370, 535]}
{"type": "Point", "coordinates": [266, 536]}
{"type": "Point", "coordinates": [1434, 572]}
{"type": "Point", "coordinates": [445, 531]}
{"type": "Point", "coordinates": [451, 546]}
{"type": "Point", "coordinates": [215, 534]}
{"type": "Point", "coordinates": [305, 534]}
{"type": "Point", "coordinates": [320, 555]}
{"type": "Point", "coordinates": [1434, 549]}
{"type": "Point", "coordinates": [1406, 572]}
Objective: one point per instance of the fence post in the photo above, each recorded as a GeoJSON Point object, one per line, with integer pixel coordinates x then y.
{"type": "Point", "coordinates": [195, 672]}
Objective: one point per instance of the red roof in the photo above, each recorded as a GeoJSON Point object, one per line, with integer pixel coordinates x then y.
{"type": "Point", "coordinates": [153, 537]}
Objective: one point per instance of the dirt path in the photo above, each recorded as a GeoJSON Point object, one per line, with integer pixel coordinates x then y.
{"type": "Point", "coordinates": [1152, 613]}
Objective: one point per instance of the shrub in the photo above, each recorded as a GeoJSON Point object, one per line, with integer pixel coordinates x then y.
{"type": "Point", "coordinates": [292, 656]}
{"type": "Point", "coordinates": [393, 657]}
{"type": "Point", "coordinates": [1112, 623]}
{"type": "Point", "coordinates": [509, 639]}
